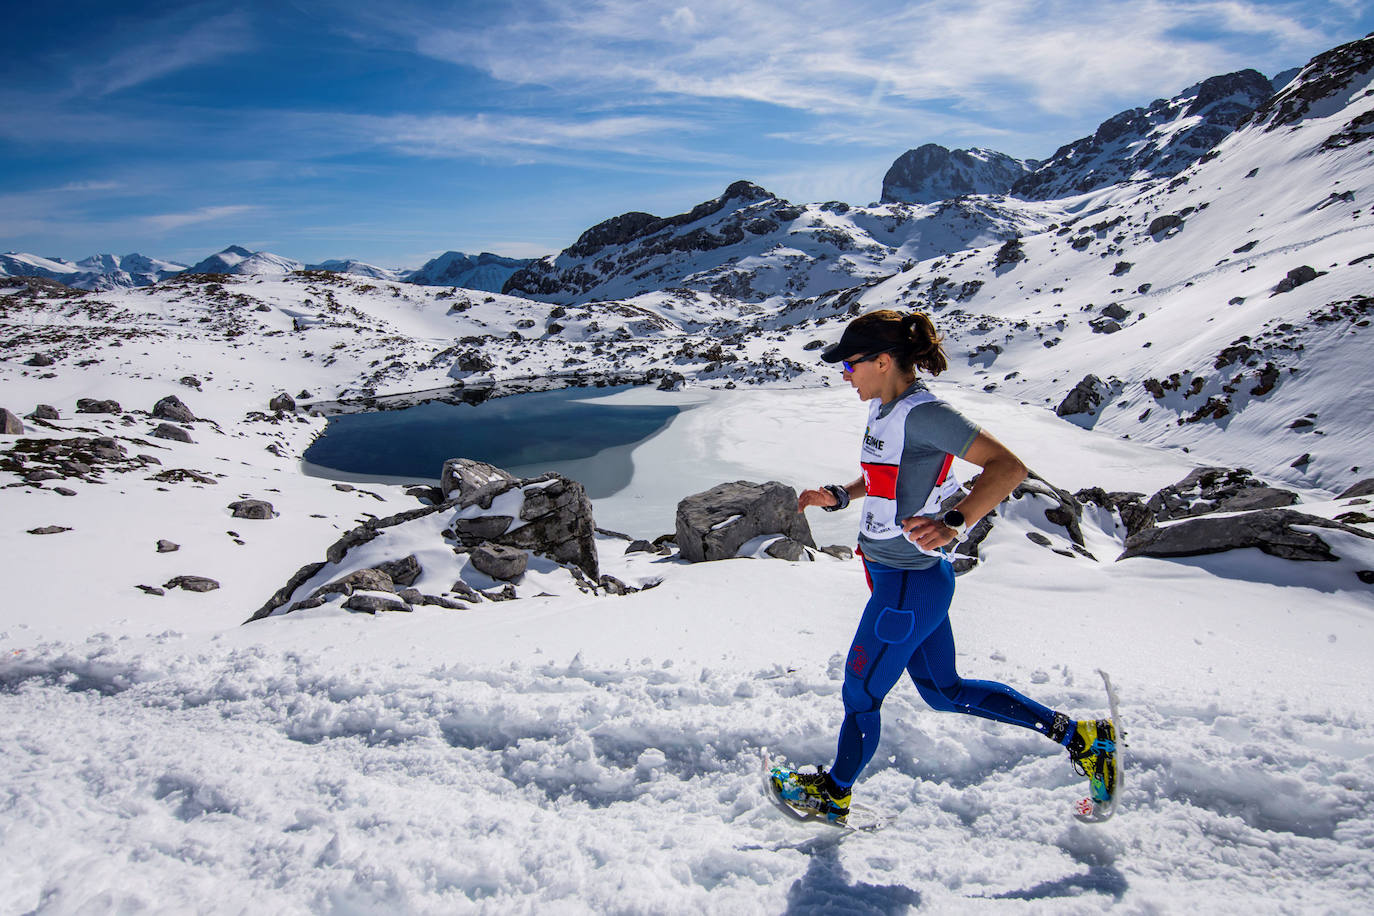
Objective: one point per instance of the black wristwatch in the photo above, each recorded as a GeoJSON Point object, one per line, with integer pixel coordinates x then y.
{"type": "Point", "coordinates": [955, 519]}
{"type": "Point", "coordinates": [841, 497]}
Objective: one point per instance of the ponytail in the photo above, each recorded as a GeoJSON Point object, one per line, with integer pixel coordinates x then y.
{"type": "Point", "coordinates": [911, 337]}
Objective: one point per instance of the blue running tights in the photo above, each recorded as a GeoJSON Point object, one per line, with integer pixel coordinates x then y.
{"type": "Point", "coordinates": [905, 627]}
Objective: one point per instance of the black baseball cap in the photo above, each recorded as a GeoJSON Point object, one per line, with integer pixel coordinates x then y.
{"type": "Point", "coordinates": [853, 342]}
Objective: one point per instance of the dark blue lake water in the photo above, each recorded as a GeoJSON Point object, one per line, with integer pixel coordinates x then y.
{"type": "Point", "coordinates": [543, 429]}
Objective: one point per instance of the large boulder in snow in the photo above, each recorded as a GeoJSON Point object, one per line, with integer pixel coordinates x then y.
{"type": "Point", "coordinates": [172, 408]}
{"type": "Point", "coordinates": [714, 524]}
{"type": "Point", "coordinates": [1363, 488]}
{"type": "Point", "coordinates": [499, 561]}
{"type": "Point", "coordinates": [1085, 398]}
{"type": "Point", "coordinates": [10, 425]}
{"type": "Point", "coordinates": [1216, 489]}
{"type": "Point", "coordinates": [1273, 531]}
{"type": "Point", "coordinates": [549, 515]}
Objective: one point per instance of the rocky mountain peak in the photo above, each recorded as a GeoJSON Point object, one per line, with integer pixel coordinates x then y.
{"type": "Point", "coordinates": [1324, 76]}
{"type": "Point", "coordinates": [931, 173]}
{"type": "Point", "coordinates": [1158, 141]}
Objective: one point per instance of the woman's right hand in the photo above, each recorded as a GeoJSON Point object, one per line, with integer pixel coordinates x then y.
{"type": "Point", "coordinates": [810, 498]}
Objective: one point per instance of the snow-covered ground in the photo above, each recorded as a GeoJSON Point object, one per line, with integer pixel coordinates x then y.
{"type": "Point", "coordinates": [603, 754]}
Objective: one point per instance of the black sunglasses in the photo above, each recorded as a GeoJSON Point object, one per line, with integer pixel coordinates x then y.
{"type": "Point", "coordinates": [849, 364]}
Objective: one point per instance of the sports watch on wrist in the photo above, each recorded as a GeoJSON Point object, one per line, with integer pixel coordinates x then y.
{"type": "Point", "coordinates": [955, 519]}
{"type": "Point", "coordinates": [841, 497]}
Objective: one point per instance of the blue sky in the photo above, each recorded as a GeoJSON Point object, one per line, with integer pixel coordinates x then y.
{"type": "Point", "coordinates": [391, 132]}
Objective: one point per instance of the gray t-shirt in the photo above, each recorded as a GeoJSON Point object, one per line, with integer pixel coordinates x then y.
{"type": "Point", "coordinates": [933, 430]}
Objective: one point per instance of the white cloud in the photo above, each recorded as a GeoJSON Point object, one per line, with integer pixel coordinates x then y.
{"type": "Point", "coordinates": [180, 42]}
{"type": "Point", "coordinates": [165, 221]}
{"type": "Point", "coordinates": [874, 56]}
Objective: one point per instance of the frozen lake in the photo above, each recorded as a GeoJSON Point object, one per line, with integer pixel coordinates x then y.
{"type": "Point", "coordinates": [638, 451]}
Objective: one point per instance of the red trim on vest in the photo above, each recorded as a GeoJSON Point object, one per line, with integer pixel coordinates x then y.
{"type": "Point", "coordinates": [880, 480]}
{"type": "Point", "coordinates": [944, 470]}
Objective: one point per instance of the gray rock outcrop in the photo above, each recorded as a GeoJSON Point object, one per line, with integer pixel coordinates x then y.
{"type": "Point", "coordinates": [171, 408]}
{"type": "Point", "coordinates": [92, 405]}
{"type": "Point", "coordinates": [283, 402]}
{"type": "Point", "coordinates": [253, 508]}
{"type": "Point", "coordinates": [173, 432]}
{"type": "Point", "coordinates": [10, 425]}
{"type": "Point", "coordinates": [1270, 530]}
{"type": "Point", "coordinates": [1085, 398]}
{"type": "Point", "coordinates": [1362, 488]}
{"type": "Point", "coordinates": [714, 524]}
{"type": "Point", "coordinates": [1216, 489]}
{"type": "Point", "coordinates": [499, 561]}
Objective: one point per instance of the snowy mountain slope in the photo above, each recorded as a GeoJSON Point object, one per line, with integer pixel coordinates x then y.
{"type": "Point", "coordinates": [1154, 142]}
{"type": "Point", "coordinates": [485, 271]}
{"type": "Point", "coordinates": [237, 260]}
{"type": "Point", "coordinates": [358, 269]}
{"type": "Point", "coordinates": [932, 173]}
{"type": "Point", "coordinates": [1178, 297]}
{"type": "Point", "coordinates": [748, 250]}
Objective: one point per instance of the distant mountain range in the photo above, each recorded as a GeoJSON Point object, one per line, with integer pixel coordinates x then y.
{"type": "Point", "coordinates": [748, 246]}
{"type": "Point", "coordinates": [485, 271]}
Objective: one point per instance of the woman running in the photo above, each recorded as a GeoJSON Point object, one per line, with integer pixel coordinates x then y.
{"type": "Point", "coordinates": [911, 440]}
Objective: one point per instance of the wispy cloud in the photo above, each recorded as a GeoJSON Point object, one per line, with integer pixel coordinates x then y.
{"type": "Point", "coordinates": [870, 56]}
{"type": "Point", "coordinates": [187, 38]}
{"type": "Point", "coordinates": [166, 221]}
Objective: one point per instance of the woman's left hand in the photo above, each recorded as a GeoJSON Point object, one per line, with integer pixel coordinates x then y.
{"type": "Point", "coordinates": [927, 533]}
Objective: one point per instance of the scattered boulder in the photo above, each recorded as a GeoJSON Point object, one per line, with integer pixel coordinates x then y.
{"type": "Point", "coordinates": [48, 529]}
{"type": "Point", "coordinates": [1216, 489]}
{"type": "Point", "coordinates": [92, 405]}
{"type": "Point", "coordinates": [10, 424]}
{"type": "Point", "coordinates": [499, 561]}
{"type": "Point", "coordinates": [473, 482]}
{"type": "Point", "coordinates": [283, 402]}
{"type": "Point", "coordinates": [1117, 311]}
{"type": "Point", "coordinates": [1362, 488]}
{"type": "Point", "coordinates": [253, 508]}
{"type": "Point", "coordinates": [838, 551]}
{"type": "Point", "coordinates": [40, 360]}
{"type": "Point", "coordinates": [787, 549]}
{"type": "Point", "coordinates": [367, 580]}
{"type": "Point", "coordinates": [1085, 398]}
{"type": "Point", "coordinates": [402, 572]}
{"type": "Point", "coordinates": [1272, 531]}
{"type": "Point", "coordinates": [172, 432]}
{"type": "Point", "coordinates": [151, 590]}
{"type": "Point", "coordinates": [714, 524]}
{"type": "Point", "coordinates": [164, 546]}
{"type": "Point", "coordinates": [171, 408]}
{"type": "Point", "coordinates": [190, 381]}
{"type": "Point", "coordinates": [192, 584]}
{"type": "Point", "coordinates": [1104, 325]}
{"type": "Point", "coordinates": [1295, 278]}
{"type": "Point", "coordinates": [45, 412]}
{"type": "Point", "coordinates": [371, 603]}
{"type": "Point", "coordinates": [1165, 223]}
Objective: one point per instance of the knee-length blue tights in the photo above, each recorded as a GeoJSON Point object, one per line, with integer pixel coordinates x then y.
{"type": "Point", "coordinates": [905, 627]}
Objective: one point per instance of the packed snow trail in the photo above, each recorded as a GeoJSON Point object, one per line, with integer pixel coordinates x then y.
{"type": "Point", "coordinates": [230, 779]}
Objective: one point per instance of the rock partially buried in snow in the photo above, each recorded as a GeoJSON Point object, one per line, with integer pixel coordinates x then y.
{"type": "Point", "coordinates": [787, 549]}
{"type": "Point", "coordinates": [1216, 489]}
{"type": "Point", "coordinates": [1362, 488]}
{"type": "Point", "coordinates": [253, 508]}
{"type": "Point", "coordinates": [192, 584]}
{"type": "Point", "coordinates": [172, 432]}
{"type": "Point", "coordinates": [372, 603]}
{"type": "Point", "coordinates": [10, 424]}
{"type": "Point", "coordinates": [165, 546]}
{"type": "Point", "coordinates": [283, 402]}
{"type": "Point", "coordinates": [470, 481]}
{"type": "Point", "coordinates": [1085, 397]}
{"type": "Point", "coordinates": [499, 561]}
{"type": "Point", "coordinates": [1273, 531]}
{"type": "Point", "coordinates": [45, 412]}
{"type": "Point", "coordinates": [171, 408]}
{"type": "Point", "coordinates": [714, 524]}
{"type": "Point", "coordinates": [92, 405]}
